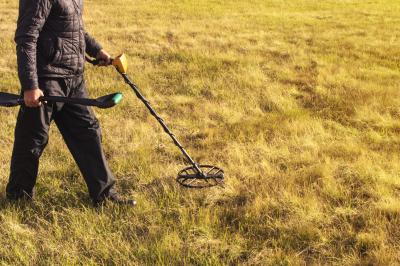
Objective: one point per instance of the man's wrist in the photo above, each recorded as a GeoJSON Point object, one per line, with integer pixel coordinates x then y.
{"type": "Point", "coordinates": [29, 84]}
{"type": "Point", "coordinates": [30, 88]}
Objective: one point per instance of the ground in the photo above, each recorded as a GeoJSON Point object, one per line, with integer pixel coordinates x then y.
{"type": "Point", "coordinates": [297, 100]}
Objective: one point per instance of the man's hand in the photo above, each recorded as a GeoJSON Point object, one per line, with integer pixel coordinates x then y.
{"type": "Point", "coordinates": [104, 57]}
{"type": "Point", "coordinates": [31, 97]}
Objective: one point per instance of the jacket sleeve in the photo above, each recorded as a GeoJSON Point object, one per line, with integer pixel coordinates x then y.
{"type": "Point", "coordinates": [92, 46]}
{"type": "Point", "coordinates": [32, 16]}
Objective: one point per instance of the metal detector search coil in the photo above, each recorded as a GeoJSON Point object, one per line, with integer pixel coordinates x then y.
{"type": "Point", "coordinates": [213, 176]}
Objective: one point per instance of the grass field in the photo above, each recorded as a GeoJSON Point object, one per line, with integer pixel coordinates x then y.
{"type": "Point", "coordinates": [297, 100]}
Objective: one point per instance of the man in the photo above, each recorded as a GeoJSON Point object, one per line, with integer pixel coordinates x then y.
{"type": "Point", "coordinates": [51, 46]}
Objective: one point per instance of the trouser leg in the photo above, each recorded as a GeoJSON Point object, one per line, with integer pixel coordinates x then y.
{"type": "Point", "coordinates": [31, 137]}
{"type": "Point", "coordinates": [81, 132]}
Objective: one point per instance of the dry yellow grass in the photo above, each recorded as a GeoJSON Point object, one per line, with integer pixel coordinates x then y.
{"type": "Point", "coordinates": [297, 100]}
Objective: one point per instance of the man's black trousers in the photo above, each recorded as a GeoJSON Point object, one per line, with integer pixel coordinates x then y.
{"type": "Point", "coordinates": [80, 130]}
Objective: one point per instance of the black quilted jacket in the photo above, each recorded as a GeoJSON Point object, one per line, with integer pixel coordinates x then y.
{"type": "Point", "coordinates": [51, 40]}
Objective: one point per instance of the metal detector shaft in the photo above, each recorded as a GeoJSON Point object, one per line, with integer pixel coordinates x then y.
{"type": "Point", "coordinates": [161, 121]}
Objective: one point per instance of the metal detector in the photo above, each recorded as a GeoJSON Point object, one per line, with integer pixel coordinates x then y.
{"type": "Point", "coordinates": [107, 101]}
{"type": "Point", "coordinates": [194, 176]}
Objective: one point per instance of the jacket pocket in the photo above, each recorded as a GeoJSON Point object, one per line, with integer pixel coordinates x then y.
{"type": "Point", "coordinates": [58, 52]}
{"type": "Point", "coordinates": [50, 49]}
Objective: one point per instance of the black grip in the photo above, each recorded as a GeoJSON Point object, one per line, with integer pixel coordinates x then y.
{"type": "Point", "coordinates": [82, 101]}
